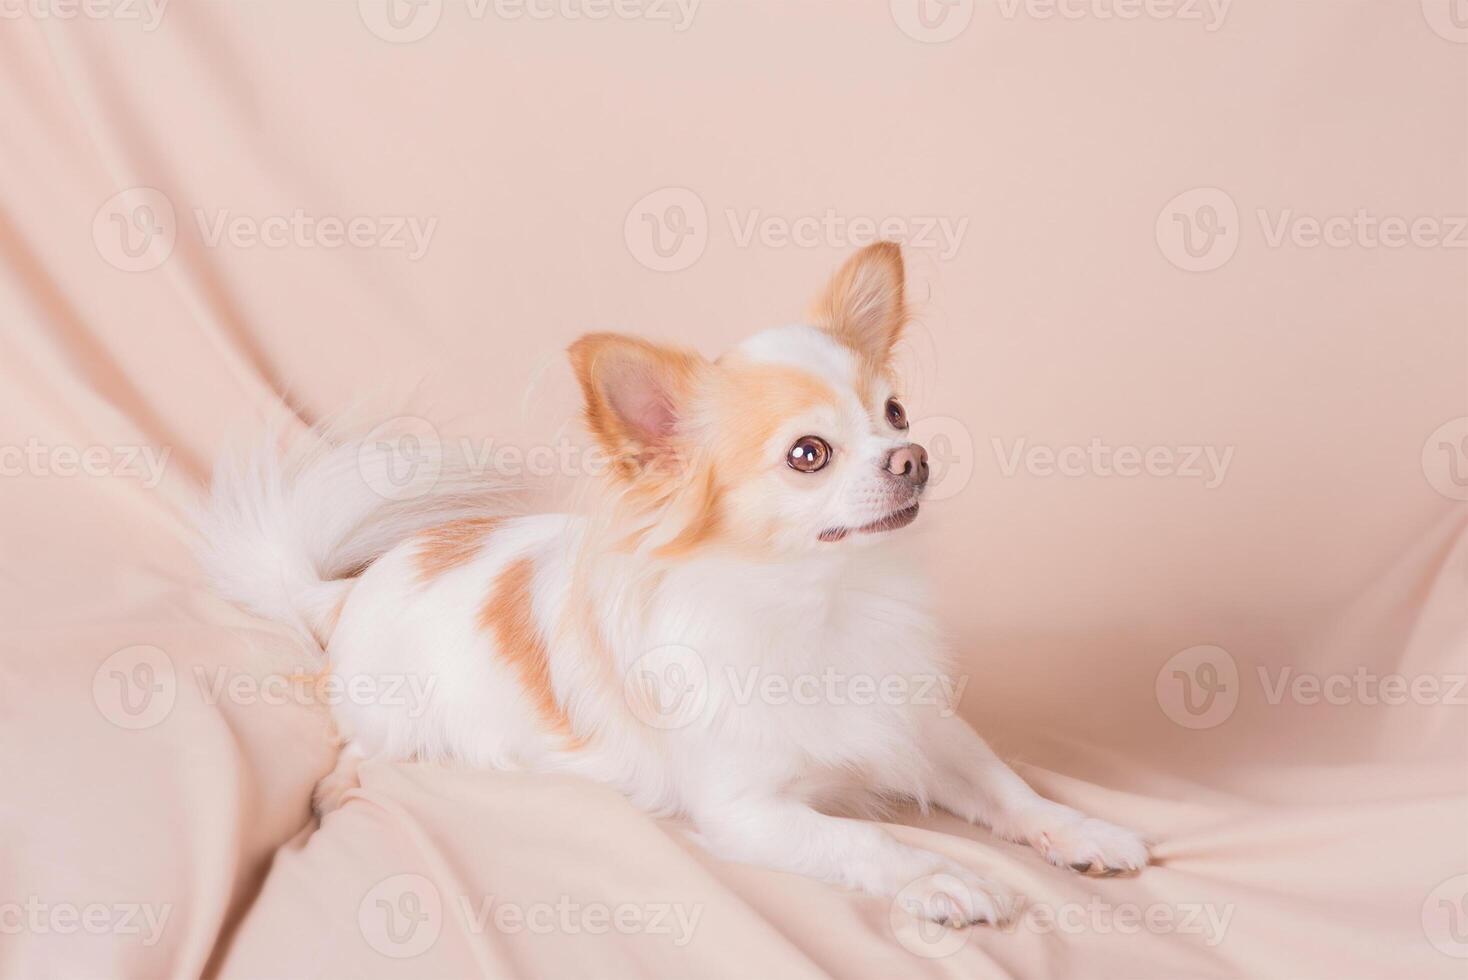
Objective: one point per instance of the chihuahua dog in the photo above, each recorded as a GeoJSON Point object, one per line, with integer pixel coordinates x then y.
{"type": "Point", "coordinates": [749, 527]}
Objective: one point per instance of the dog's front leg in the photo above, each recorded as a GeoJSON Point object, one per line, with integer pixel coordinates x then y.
{"type": "Point", "coordinates": [787, 835]}
{"type": "Point", "coordinates": [972, 782]}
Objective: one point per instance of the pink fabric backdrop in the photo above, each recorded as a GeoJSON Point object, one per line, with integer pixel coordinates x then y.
{"type": "Point", "coordinates": [1218, 246]}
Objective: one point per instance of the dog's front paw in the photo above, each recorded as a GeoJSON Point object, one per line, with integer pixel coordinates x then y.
{"type": "Point", "coordinates": [956, 897]}
{"type": "Point", "coordinates": [1092, 847]}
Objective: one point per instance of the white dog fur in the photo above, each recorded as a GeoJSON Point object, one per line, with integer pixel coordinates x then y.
{"type": "Point", "coordinates": [624, 643]}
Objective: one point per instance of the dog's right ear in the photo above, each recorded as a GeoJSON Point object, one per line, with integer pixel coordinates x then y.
{"type": "Point", "coordinates": [635, 395]}
{"type": "Point", "coordinates": [864, 305]}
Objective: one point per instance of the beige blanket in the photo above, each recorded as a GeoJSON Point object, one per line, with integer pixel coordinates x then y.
{"type": "Point", "coordinates": [1190, 354]}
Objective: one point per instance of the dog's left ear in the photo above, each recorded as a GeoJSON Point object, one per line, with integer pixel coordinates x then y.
{"type": "Point", "coordinates": [864, 305]}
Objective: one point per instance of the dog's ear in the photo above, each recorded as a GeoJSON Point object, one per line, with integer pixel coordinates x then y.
{"type": "Point", "coordinates": [635, 395]}
{"type": "Point", "coordinates": [864, 305]}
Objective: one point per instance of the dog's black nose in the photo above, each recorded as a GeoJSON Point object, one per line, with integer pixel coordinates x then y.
{"type": "Point", "coordinates": [909, 462]}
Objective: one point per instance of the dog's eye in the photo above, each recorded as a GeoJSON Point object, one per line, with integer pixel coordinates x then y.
{"type": "Point", "coordinates": [896, 415]}
{"type": "Point", "coordinates": [810, 453]}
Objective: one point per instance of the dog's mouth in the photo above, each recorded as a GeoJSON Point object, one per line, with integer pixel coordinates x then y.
{"type": "Point", "coordinates": [894, 520]}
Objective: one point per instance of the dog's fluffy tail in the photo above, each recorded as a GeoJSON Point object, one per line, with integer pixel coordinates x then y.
{"type": "Point", "coordinates": [286, 528]}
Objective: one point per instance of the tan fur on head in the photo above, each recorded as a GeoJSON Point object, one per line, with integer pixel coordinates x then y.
{"type": "Point", "coordinates": [698, 448]}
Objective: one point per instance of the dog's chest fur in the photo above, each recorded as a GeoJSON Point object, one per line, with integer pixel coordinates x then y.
{"type": "Point", "coordinates": [815, 671]}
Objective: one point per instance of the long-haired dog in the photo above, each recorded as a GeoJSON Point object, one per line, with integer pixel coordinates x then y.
{"type": "Point", "coordinates": [750, 530]}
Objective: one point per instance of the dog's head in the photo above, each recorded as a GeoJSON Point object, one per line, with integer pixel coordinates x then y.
{"type": "Point", "coordinates": [794, 441]}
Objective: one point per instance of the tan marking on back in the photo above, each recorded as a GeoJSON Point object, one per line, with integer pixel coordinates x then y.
{"type": "Point", "coordinates": [453, 544]}
{"type": "Point", "coordinates": [509, 616]}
